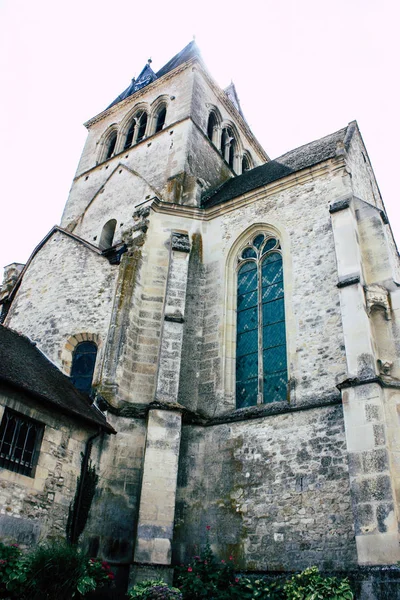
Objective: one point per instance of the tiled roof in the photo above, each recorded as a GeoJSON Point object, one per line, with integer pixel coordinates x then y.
{"type": "Point", "coordinates": [24, 367]}
{"type": "Point", "coordinates": [301, 158]}
{"type": "Point", "coordinates": [147, 75]}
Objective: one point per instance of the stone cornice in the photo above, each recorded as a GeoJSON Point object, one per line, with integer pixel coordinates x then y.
{"type": "Point", "coordinates": [136, 411]}
{"type": "Point", "coordinates": [383, 381]}
{"type": "Point", "coordinates": [262, 192]}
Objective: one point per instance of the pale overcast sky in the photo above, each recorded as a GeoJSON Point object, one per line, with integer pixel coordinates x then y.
{"type": "Point", "coordinates": [302, 70]}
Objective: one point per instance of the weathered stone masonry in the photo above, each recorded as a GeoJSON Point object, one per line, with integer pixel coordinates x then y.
{"type": "Point", "coordinates": [312, 479]}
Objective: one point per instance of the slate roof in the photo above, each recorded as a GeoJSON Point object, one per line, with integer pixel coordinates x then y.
{"type": "Point", "coordinates": [147, 75]}
{"type": "Point", "coordinates": [301, 158]}
{"type": "Point", "coordinates": [24, 367]}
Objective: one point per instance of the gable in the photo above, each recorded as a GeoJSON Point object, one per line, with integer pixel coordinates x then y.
{"type": "Point", "coordinates": [117, 199]}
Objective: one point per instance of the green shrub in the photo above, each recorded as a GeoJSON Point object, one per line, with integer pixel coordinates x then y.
{"type": "Point", "coordinates": [98, 574]}
{"type": "Point", "coordinates": [50, 572]}
{"type": "Point", "coordinates": [311, 585]}
{"type": "Point", "coordinates": [154, 590]}
{"type": "Point", "coordinates": [258, 587]}
{"type": "Point", "coordinates": [54, 571]}
{"type": "Point", "coordinates": [205, 577]}
{"type": "Point", "coordinates": [12, 571]}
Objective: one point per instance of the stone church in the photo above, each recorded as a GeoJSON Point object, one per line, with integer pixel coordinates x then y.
{"type": "Point", "coordinates": [219, 331]}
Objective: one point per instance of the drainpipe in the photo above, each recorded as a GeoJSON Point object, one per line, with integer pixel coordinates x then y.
{"type": "Point", "coordinates": [84, 468]}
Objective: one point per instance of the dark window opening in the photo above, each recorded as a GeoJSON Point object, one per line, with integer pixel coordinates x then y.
{"type": "Point", "coordinates": [130, 134]}
{"type": "Point", "coordinates": [232, 147]}
{"type": "Point", "coordinates": [245, 164]}
{"type": "Point", "coordinates": [142, 127]}
{"type": "Point", "coordinates": [212, 122]}
{"type": "Point", "coordinates": [111, 145]}
{"type": "Point", "coordinates": [224, 141]}
{"type": "Point", "coordinates": [228, 146]}
{"type": "Point", "coordinates": [107, 234]}
{"type": "Point", "coordinates": [20, 439]}
{"type": "Point", "coordinates": [161, 118]}
{"type": "Point", "coordinates": [83, 363]}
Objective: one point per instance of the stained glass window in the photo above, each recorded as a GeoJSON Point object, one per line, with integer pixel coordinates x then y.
{"type": "Point", "coordinates": [261, 364]}
{"type": "Point", "coordinates": [83, 363]}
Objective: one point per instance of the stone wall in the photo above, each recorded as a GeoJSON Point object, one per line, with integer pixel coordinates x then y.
{"type": "Point", "coordinates": [49, 317]}
{"type": "Point", "coordinates": [274, 490]}
{"type": "Point", "coordinates": [111, 528]}
{"type": "Point", "coordinates": [36, 508]}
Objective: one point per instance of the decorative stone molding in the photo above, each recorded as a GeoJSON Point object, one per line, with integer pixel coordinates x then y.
{"type": "Point", "coordinates": [68, 350]}
{"type": "Point", "coordinates": [174, 317]}
{"type": "Point", "coordinates": [339, 205]}
{"type": "Point", "coordinates": [180, 242]}
{"type": "Point", "coordinates": [384, 218]}
{"type": "Point", "coordinates": [351, 280]}
{"type": "Point", "coordinates": [377, 297]}
{"type": "Point", "coordinates": [385, 366]}
{"type": "Point", "coordinates": [115, 253]}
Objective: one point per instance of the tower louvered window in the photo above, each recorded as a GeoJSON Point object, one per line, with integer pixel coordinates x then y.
{"type": "Point", "coordinates": [111, 145]}
{"type": "Point", "coordinates": [130, 134]}
{"type": "Point", "coordinates": [261, 364]}
{"type": "Point", "coordinates": [141, 127]}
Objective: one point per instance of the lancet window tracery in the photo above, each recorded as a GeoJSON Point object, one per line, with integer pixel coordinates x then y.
{"type": "Point", "coordinates": [261, 363]}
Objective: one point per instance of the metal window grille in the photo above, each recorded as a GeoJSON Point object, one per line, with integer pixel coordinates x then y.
{"type": "Point", "coordinates": [20, 439]}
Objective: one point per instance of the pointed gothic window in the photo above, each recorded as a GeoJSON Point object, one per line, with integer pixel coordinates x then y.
{"type": "Point", "coordinates": [111, 145]}
{"type": "Point", "coordinates": [212, 123]}
{"type": "Point", "coordinates": [83, 363]}
{"type": "Point", "coordinates": [142, 123]}
{"type": "Point", "coordinates": [245, 163]}
{"type": "Point", "coordinates": [107, 234]}
{"type": "Point", "coordinates": [160, 119]}
{"type": "Point", "coordinates": [228, 146]}
{"type": "Point", "coordinates": [232, 148]}
{"type": "Point", "coordinates": [130, 134]}
{"type": "Point", "coordinates": [261, 368]}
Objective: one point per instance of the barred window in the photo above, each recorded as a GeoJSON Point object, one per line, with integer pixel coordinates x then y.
{"type": "Point", "coordinates": [20, 439]}
{"type": "Point", "coordinates": [261, 364]}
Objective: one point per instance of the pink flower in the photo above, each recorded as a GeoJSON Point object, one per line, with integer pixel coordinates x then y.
{"type": "Point", "coordinates": [223, 562]}
{"type": "Point", "coordinates": [231, 557]}
{"type": "Point", "coordinates": [208, 527]}
{"type": "Point", "coordinates": [190, 569]}
{"type": "Point", "coordinates": [111, 576]}
{"type": "Point", "coordinates": [236, 579]}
